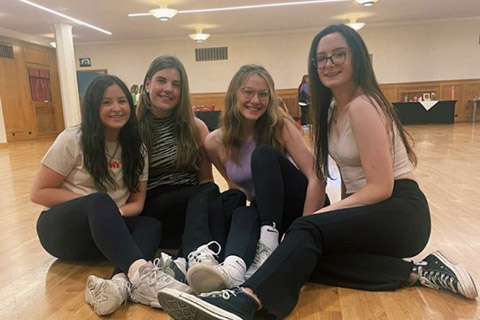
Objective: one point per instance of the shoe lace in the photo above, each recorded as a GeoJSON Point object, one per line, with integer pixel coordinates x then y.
{"type": "Point", "coordinates": [156, 274]}
{"type": "Point", "coordinates": [224, 294]}
{"type": "Point", "coordinates": [437, 280]}
{"type": "Point", "coordinates": [263, 252]}
{"type": "Point", "coordinates": [204, 253]}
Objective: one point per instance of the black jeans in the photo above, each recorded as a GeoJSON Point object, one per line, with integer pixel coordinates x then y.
{"type": "Point", "coordinates": [359, 247]}
{"type": "Point", "coordinates": [92, 227]}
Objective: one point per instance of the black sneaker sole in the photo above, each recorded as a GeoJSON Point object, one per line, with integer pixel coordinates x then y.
{"type": "Point", "coordinates": [466, 286]}
{"type": "Point", "coordinates": [184, 306]}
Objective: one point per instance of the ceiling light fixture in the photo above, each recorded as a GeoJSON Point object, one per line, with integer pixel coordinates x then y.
{"type": "Point", "coordinates": [199, 36]}
{"type": "Point", "coordinates": [33, 4]}
{"type": "Point", "coordinates": [258, 6]}
{"type": "Point", "coordinates": [163, 14]}
{"type": "Point", "coordinates": [366, 3]}
{"type": "Point", "coordinates": [354, 24]}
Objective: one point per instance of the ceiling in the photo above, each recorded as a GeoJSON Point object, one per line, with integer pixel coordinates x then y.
{"type": "Point", "coordinates": [18, 17]}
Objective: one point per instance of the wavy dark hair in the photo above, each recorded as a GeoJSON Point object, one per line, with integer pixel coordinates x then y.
{"type": "Point", "coordinates": [364, 79]}
{"type": "Point", "coordinates": [268, 127]}
{"type": "Point", "coordinates": [187, 136]}
{"type": "Point", "coordinates": [93, 138]}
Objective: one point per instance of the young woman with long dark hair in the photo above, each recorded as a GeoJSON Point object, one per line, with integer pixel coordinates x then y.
{"type": "Point", "coordinates": [92, 181]}
{"type": "Point", "coordinates": [360, 241]}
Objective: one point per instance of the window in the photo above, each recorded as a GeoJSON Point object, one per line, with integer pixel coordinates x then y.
{"type": "Point", "coordinates": [40, 85]}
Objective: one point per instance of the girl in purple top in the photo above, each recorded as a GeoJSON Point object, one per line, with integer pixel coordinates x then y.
{"type": "Point", "coordinates": [250, 150]}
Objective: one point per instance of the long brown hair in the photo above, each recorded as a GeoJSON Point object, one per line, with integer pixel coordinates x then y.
{"type": "Point", "coordinates": [187, 136]}
{"type": "Point", "coordinates": [268, 127]}
{"type": "Point", "coordinates": [364, 78]}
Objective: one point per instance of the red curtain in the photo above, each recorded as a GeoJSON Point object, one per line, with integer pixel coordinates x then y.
{"type": "Point", "coordinates": [40, 85]}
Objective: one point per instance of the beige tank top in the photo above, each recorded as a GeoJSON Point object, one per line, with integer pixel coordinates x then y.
{"type": "Point", "coordinates": [345, 153]}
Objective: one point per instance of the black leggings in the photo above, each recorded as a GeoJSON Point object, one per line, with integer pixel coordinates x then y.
{"type": "Point", "coordinates": [359, 247]}
{"type": "Point", "coordinates": [280, 191]}
{"type": "Point", "coordinates": [92, 227]}
{"type": "Point", "coordinates": [192, 215]}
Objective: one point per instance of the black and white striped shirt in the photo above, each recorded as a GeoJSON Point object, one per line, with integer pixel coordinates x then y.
{"type": "Point", "coordinates": [162, 171]}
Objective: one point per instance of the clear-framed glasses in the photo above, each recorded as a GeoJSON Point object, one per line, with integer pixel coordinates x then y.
{"type": "Point", "coordinates": [249, 93]}
{"type": "Point", "coordinates": [337, 58]}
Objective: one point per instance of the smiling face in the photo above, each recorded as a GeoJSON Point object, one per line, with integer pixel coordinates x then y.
{"type": "Point", "coordinates": [335, 74]}
{"type": "Point", "coordinates": [253, 98]}
{"type": "Point", "coordinates": [114, 111]}
{"type": "Point", "coordinates": [164, 91]}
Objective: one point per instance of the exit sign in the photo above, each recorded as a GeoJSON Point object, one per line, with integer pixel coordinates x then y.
{"type": "Point", "coordinates": [85, 62]}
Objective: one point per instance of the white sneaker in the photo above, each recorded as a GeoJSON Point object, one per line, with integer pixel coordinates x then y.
{"type": "Point", "coordinates": [263, 252]}
{"type": "Point", "coordinates": [168, 265]}
{"type": "Point", "coordinates": [207, 278]}
{"type": "Point", "coordinates": [149, 280]}
{"type": "Point", "coordinates": [106, 296]}
{"type": "Point", "coordinates": [204, 255]}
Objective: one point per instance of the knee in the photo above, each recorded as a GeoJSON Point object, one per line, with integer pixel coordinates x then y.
{"type": "Point", "coordinates": [304, 223]}
{"type": "Point", "coordinates": [151, 226]}
{"type": "Point", "coordinates": [263, 156]}
{"type": "Point", "coordinates": [245, 216]}
{"type": "Point", "coordinates": [100, 203]}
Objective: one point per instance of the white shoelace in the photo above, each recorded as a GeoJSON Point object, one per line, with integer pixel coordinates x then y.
{"type": "Point", "coordinates": [224, 294]}
{"type": "Point", "coordinates": [437, 280]}
{"type": "Point", "coordinates": [204, 253]}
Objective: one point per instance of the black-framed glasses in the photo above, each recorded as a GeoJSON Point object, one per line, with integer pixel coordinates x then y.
{"type": "Point", "coordinates": [249, 93]}
{"type": "Point", "coordinates": [337, 58]}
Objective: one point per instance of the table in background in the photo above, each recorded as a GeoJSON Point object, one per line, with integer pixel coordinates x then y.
{"type": "Point", "coordinates": [209, 117]}
{"type": "Point", "coordinates": [414, 112]}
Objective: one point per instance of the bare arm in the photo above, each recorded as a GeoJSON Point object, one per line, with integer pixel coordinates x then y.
{"type": "Point", "coordinates": [205, 168]}
{"type": "Point", "coordinates": [215, 151]}
{"type": "Point", "coordinates": [135, 202]}
{"type": "Point", "coordinates": [303, 157]}
{"type": "Point", "coordinates": [46, 189]}
{"type": "Point", "coordinates": [370, 134]}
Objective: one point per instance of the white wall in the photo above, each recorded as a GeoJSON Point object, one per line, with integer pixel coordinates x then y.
{"type": "Point", "coordinates": [402, 53]}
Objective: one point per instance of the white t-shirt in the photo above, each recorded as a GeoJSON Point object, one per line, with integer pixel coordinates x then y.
{"type": "Point", "coordinates": [65, 157]}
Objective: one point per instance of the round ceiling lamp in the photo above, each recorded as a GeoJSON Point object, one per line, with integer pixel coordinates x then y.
{"type": "Point", "coordinates": [354, 24]}
{"type": "Point", "coordinates": [199, 36]}
{"type": "Point", "coordinates": [163, 14]}
{"type": "Point", "coordinates": [366, 3]}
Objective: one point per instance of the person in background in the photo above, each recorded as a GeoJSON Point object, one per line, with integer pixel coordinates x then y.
{"type": "Point", "coordinates": [260, 151]}
{"type": "Point", "coordinates": [134, 92]}
{"type": "Point", "coordinates": [92, 181]}
{"type": "Point", "coordinates": [303, 94]}
{"type": "Point", "coordinates": [360, 241]}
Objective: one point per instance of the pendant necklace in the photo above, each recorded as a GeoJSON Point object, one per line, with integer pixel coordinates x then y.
{"type": "Point", "coordinates": [114, 153]}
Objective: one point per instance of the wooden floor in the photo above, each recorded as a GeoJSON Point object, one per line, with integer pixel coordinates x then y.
{"type": "Point", "coordinates": [34, 285]}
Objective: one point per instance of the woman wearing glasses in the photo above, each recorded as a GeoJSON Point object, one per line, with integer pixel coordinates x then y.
{"type": "Point", "coordinates": [259, 150]}
{"type": "Point", "coordinates": [358, 242]}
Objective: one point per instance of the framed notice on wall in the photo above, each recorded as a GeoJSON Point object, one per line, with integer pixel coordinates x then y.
{"type": "Point", "coordinates": [85, 62]}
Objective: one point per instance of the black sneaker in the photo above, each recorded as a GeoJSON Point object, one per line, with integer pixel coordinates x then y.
{"type": "Point", "coordinates": [231, 304]}
{"type": "Point", "coordinates": [437, 272]}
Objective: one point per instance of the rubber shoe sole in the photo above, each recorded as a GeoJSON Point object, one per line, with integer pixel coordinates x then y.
{"type": "Point", "coordinates": [184, 306]}
{"type": "Point", "coordinates": [205, 278]}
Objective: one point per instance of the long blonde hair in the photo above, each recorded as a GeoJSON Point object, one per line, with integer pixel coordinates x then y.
{"type": "Point", "coordinates": [187, 137]}
{"type": "Point", "coordinates": [268, 128]}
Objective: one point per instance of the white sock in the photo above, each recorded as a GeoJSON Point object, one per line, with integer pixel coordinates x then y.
{"type": "Point", "coordinates": [269, 236]}
{"type": "Point", "coordinates": [181, 264]}
{"type": "Point", "coordinates": [235, 262]}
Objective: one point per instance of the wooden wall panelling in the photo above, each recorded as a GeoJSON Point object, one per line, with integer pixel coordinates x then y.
{"type": "Point", "coordinates": [290, 98]}
{"type": "Point", "coordinates": [57, 97]}
{"type": "Point", "coordinates": [390, 92]}
{"type": "Point", "coordinates": [18, 115]}
{"type": "Point", "coordinates": [37, 56]}
{"type": "Point", "coordinates": [216, 99]}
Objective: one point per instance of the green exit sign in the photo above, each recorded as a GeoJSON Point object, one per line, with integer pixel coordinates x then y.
{"type": "Point", "coordinates": [85, 62]}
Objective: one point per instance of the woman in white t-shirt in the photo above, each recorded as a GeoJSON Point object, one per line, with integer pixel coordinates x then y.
{"type": "Point", "coordinates": [93, 182]}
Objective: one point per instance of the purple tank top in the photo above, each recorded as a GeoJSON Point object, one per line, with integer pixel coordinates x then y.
{"type": "Point", "coordinates": [241, 173]}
